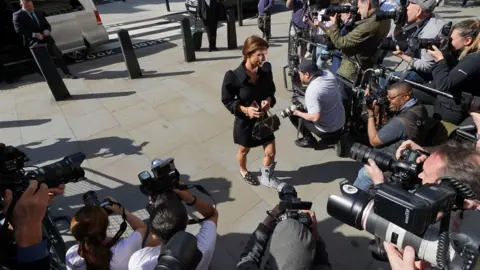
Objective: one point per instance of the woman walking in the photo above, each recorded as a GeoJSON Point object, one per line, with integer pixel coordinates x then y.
{"type": "Point", "coordinates": [248, 92]}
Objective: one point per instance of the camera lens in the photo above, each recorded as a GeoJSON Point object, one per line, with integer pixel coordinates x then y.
{"type": "Point", "coordinates": [348, 208]}
{"type": "Point", "coordinates": [90, 198]}
{"type": "Point", "coordinates": [363, 153]}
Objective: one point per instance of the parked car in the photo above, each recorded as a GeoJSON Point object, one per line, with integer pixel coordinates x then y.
{"type": "Point", "coordinates": [76, 25]}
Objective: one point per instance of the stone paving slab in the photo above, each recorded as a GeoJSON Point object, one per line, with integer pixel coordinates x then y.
{"type": "Point", "coordinates": [175, 110]}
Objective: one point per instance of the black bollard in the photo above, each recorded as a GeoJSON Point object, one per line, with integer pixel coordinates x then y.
{"type": "Point", "coordinates": [240, 12]}
{"type": "Point", "coordinates": [167, 3]}
{"type": "Point", "coordinates": [231, 31]}
{"type": "Point", "coordinates": [188, 48]}
{"type": "Point", "coordinates": [49, 71]}
{"type": "Point", "coordinates": [129, 56]}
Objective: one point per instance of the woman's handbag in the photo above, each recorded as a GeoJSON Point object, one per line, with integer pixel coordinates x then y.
{"type": "Point", "coordinates": [266, 126]}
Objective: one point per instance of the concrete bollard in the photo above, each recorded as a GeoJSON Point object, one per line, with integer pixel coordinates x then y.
{"type": "Point", "coordinates": [188, 46]}
{"type": "Point", "coordinates": [231, 30]}
{"type": "Point", "coordinates": [129, 55]}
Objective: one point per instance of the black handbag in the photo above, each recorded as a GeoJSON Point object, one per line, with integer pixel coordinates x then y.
{"type": "Point", "coordinates": [266, 126]}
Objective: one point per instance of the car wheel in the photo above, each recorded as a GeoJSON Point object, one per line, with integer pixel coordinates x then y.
{"type": "Point", "coordinates": [77, 55]}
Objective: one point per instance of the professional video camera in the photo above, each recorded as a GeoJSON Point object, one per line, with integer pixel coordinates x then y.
{"type": "Point", "coordinates": [336, 9]}
{"type": "Point", "coordinates": [404, 219]}
{"type": "Point", "coordinates": [180, 253]}
{"type": "Point", "coordinates": [442, 42]}
{"type": "Point", "coordinates": [290, 205]}
{"type": "Point", "coordinates": [297, 105]}
{"type": "Point", "coordinates": [405, 170]}
{"type": "Point", "coordinates": [14, 177]}
{"type": "Point", "coordinates": [399, 15]}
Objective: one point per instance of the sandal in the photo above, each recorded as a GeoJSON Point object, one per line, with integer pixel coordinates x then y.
{"type": "Point", "coordinates": [250, 180]}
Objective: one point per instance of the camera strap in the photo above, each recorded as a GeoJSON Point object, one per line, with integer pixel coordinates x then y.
{"type": "Point", "coordinates": [121, 230]}
{"type": "Point", "coordinates": [201, 190]}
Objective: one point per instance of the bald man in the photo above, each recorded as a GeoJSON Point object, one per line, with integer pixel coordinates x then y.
{"type": "Point", "coordinates": [407, 122]}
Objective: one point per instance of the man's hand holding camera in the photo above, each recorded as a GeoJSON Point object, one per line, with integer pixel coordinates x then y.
{"type": "Point", "coordinates": [405, 261]}
{"type": "Point", "coordinates": [28, 213]}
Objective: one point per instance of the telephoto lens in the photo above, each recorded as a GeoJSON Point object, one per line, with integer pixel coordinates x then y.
{"type": "Point", "coordinates": [362, 153]}
{"type": "Point", "coordinates": [332, 10]}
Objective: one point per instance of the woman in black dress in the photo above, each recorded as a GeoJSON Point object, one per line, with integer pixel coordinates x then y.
{"type": "Point", "coordinates": [248, 92]}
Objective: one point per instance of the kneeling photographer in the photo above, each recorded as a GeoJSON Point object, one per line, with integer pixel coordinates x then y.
{"type": "Point", "coordinates": [325, 114]}
{"type": "Point", "coordinates": [168, 217]}
{"type": "Point", "coordinates": [292, 232]}
{"type": "Point", "coordinates": [94, 249]}
{"type": "Point", "coordinates": [455, 78]}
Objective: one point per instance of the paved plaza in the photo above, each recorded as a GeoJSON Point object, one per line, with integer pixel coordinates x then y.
{"type": "Point", "coordinates": [175, 111]}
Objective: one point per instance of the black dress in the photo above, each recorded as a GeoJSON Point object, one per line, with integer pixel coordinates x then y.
{"type": "Point", "coordinates": [237, 90]}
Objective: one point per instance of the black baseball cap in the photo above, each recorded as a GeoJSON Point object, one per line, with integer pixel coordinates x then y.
{"type": "Point", "coordinates": [308, 66]}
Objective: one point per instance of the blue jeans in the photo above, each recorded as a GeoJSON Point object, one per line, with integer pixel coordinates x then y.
{"type": "Point", "coordinates": [336, 61]}
{"type": "Point", "coordinates": [363, 181]}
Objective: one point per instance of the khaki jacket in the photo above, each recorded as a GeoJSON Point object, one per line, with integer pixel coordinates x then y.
{"type": "Point", "coordinates": [360, 45]}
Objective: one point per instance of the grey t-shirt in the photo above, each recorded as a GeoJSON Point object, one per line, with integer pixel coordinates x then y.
{"type": "Point", "coordinates": [323, 95]}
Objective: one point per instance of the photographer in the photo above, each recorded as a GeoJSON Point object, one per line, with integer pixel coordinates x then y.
{"type": "Point", "coordinates": [94, 250]}
{"type": "Point", "coordinates": [325, 116]}
{"type": "Point", "coordinates": [454, 78]}
{"type": "Point", "coordinates": [422, 23]}
{"type": "Point", "coordinates": [170, 217]}
{"type": "Point", "coordinates": [450, 159]}
{"type": "Point", "coordinates": [293, 245]}
{"type": "Point", "coordinates": [360, 45]}
{"type": "Point", "coordinates": [408, 119]}
{"type": "Point", "coordinates": [300, 26]}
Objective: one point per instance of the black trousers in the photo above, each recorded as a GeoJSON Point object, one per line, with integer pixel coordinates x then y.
{"type": "Point", "coordinates": [441, 112]}
{"type": "Point", "coordinates": [210, 26]}
{"type": "Point", "coordinates": [306, 128]}
{"type": "Point", "coordinates": [54, 52]}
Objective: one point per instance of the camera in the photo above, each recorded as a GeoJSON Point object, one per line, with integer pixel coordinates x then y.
{"type": "Point", "coordinates": [399, 15]}
{"type": "Point", "coordinates": [180, 253]}
{"type": "Point", "coordinates": [377, 94]}
{"type": "Point", "coordinates": [91, 198]}
{"type": "Point", "coordinates": [405, 170]}
{"type": "Point", "coordinates": [290, 205]}
{"type": "Point", "coordinates": [14, 177]}
{"type": "Point", "coordinates": [297, 105]}
{"type": "Point", "coordinates": [165, 178]}
{"type": "Point", "coordinates": [404, 219]}
{"type": "Point", "coordinates": [332, 10]}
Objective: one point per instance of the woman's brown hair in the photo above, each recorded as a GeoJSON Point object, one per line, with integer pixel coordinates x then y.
{"type": "Point", "coordinates": [469, 28]}
{"type": "Point", "coordinates": [90, 230]}
{"type": "Point", "coordinates": [252, 44]}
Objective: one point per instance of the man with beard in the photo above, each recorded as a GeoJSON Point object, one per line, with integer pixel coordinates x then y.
{"type": "Point", "coordinates": [325, 114]}
{"type": "Point", "coordinates": [406, 124]}
{"type": "Point", "coordinates": [360, 45]}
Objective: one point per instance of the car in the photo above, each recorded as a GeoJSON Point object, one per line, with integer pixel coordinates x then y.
{"type": "Point", "coordinates": [76, 26]}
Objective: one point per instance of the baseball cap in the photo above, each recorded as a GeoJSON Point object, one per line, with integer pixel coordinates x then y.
{"type": "Point", "coordinates": [308, 66]}
{"type": "Point", "coordinates": [425, 5]}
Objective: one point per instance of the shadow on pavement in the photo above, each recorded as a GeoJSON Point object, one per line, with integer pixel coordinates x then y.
{"type": "Point", "coordinates": [319, 173]}
{"type": "Point", "coordinates": [106, 147]}
{"type": "Point", "coordinates": [99, 74]}
{"type": "Point", "coordinates": [101, 95]}
{"type": "Point", "coordinates": [23, 123]}
{"type": "Point", "coordinates": [217, 58]}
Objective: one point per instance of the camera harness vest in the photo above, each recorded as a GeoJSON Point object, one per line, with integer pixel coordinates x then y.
{"type": "Point", "coordinates": [413, 118]}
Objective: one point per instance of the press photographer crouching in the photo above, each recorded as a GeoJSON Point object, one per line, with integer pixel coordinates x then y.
{"type": "Point", "coordinates": [325, 114]}
{"type": "Point", "coordinates": [94, 249]}
{"type": "Point", "coordinates": [456, 76]}
{"type": "Point", "coordinates": [291, 229]}
{"type": "Point", "coordinates": [421, 23]}
{"type": "Point", "coordinates": [168, 216]}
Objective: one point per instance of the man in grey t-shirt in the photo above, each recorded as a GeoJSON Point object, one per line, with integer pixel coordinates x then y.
{"type": "Point", "coordinates": [325, 115]}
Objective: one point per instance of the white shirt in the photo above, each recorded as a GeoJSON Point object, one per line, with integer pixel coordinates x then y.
{"type": "Point", "coordinates": [121, 253]}
{"type": "Point", "coordinates": [147, 258]}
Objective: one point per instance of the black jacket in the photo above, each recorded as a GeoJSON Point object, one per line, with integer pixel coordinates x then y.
{"type": "Point", "coordinates": [26, 26]}
{"type": "Point", "coordinates": [253, 252]}
{"type": "Point", "coordinates": [208, 12]}
{"type": "Point", "coordinates": [463, 77]}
